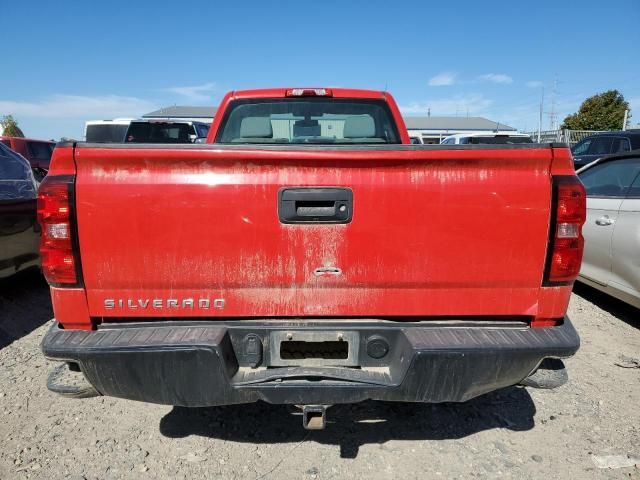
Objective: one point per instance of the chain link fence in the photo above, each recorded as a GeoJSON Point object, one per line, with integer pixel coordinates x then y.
{"type": "Point", "coordinates": [564, 135]}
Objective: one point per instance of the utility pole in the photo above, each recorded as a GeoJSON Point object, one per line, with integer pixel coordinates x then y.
{"type": "Point", "coordinates": [552, 113]}
{"type": "Point", "coordinates": [540, 117]}
{"type": "Point", "coordinates": [624, 122]}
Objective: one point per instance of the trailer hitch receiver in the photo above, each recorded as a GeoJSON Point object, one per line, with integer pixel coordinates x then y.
{"type": "Point", "coordinates": [314, 417]}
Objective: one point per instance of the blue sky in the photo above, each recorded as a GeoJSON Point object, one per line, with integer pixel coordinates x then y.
{"type": "Point", "coordinates": [67, 62]}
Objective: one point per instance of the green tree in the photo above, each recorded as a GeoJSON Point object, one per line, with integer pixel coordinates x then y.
{"type": "Point", "coordinates": [604, 111]}
{"type": "Point", "coordinates": [10, 127]}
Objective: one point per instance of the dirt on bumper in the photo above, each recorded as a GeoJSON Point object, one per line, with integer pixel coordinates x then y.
{"type": "Point", "coordinates": [207, 363]}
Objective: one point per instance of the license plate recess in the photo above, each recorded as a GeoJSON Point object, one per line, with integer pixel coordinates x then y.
{"type": "Point", "coordinates": [317, 348]}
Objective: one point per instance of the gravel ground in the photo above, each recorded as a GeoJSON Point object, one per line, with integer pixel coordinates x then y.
{"type": "Point", "coordinates": [514, 433]}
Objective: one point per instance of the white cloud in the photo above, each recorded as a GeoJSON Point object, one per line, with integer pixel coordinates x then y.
{"type": "Point", "coordinates": [194, 93]}
{"type": "Point", "coordinates": [78, 106]}
{"type": "Point", "coordinates": [534, 84]}
{"type": "Point", "coordinates": [474, 103]}
{"type": "Point", "coordinates": [443, 79]}
{"type": "Point", "coordinates": [496, 78]}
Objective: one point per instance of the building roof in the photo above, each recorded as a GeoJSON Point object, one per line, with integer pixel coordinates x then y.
{"type": "Point", "coordinates": [454, 123]}
{"type": "Point", "coordinates": [444, 124]}
{"type": "Point", "coordinates": [182, 112]}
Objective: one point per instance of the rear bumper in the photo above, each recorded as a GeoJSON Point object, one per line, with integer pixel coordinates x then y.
{"type": "Point", "coordinates": [204, 363]}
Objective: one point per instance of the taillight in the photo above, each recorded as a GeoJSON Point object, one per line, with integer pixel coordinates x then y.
{"type": "Point", "coordinates": [309, 92]}
{"type": "Point", "coordinates": [565, 239]}
{"type": "Point", "coordinates": [56, 216]}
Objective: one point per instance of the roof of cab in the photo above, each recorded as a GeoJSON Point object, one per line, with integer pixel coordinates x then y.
{"type": "Point", "coordinates": [282, 93]}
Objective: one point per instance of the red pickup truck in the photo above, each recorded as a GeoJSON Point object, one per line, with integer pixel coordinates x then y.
{"type": "Point", "coordinates": [309, 255]}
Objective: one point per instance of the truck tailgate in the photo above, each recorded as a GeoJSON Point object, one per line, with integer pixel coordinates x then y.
{"type": "Point", "coordinates": [194, 231]}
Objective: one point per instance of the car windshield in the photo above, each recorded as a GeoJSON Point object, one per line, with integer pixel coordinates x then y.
{"type": "Point", "coordinates": [308, 120]}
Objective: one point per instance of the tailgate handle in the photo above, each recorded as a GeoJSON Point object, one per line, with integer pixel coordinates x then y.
{"type": "Point", "coordinates": [306, 208]}
{"type": "Point", "coordinates": [315, 205]}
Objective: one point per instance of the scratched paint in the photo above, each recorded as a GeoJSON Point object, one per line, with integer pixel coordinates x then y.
{"type": "Point", "coordinates": [428, 233]}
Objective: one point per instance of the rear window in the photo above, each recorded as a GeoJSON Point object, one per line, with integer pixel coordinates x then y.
{"type": "Point", "coordinates": [106, 133]}
{"type": "Point", "coordinates": [308, 120]}
{"type": "Point", "coordinates": [156, 132]}
{"type": "Point", "coordinates": [40, 150]}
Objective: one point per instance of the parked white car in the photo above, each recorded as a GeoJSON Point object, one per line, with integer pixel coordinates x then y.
{"type": "Point", "coordinates": [611, 260]}
{"type": "Point", "coordinates": [486, 138]}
